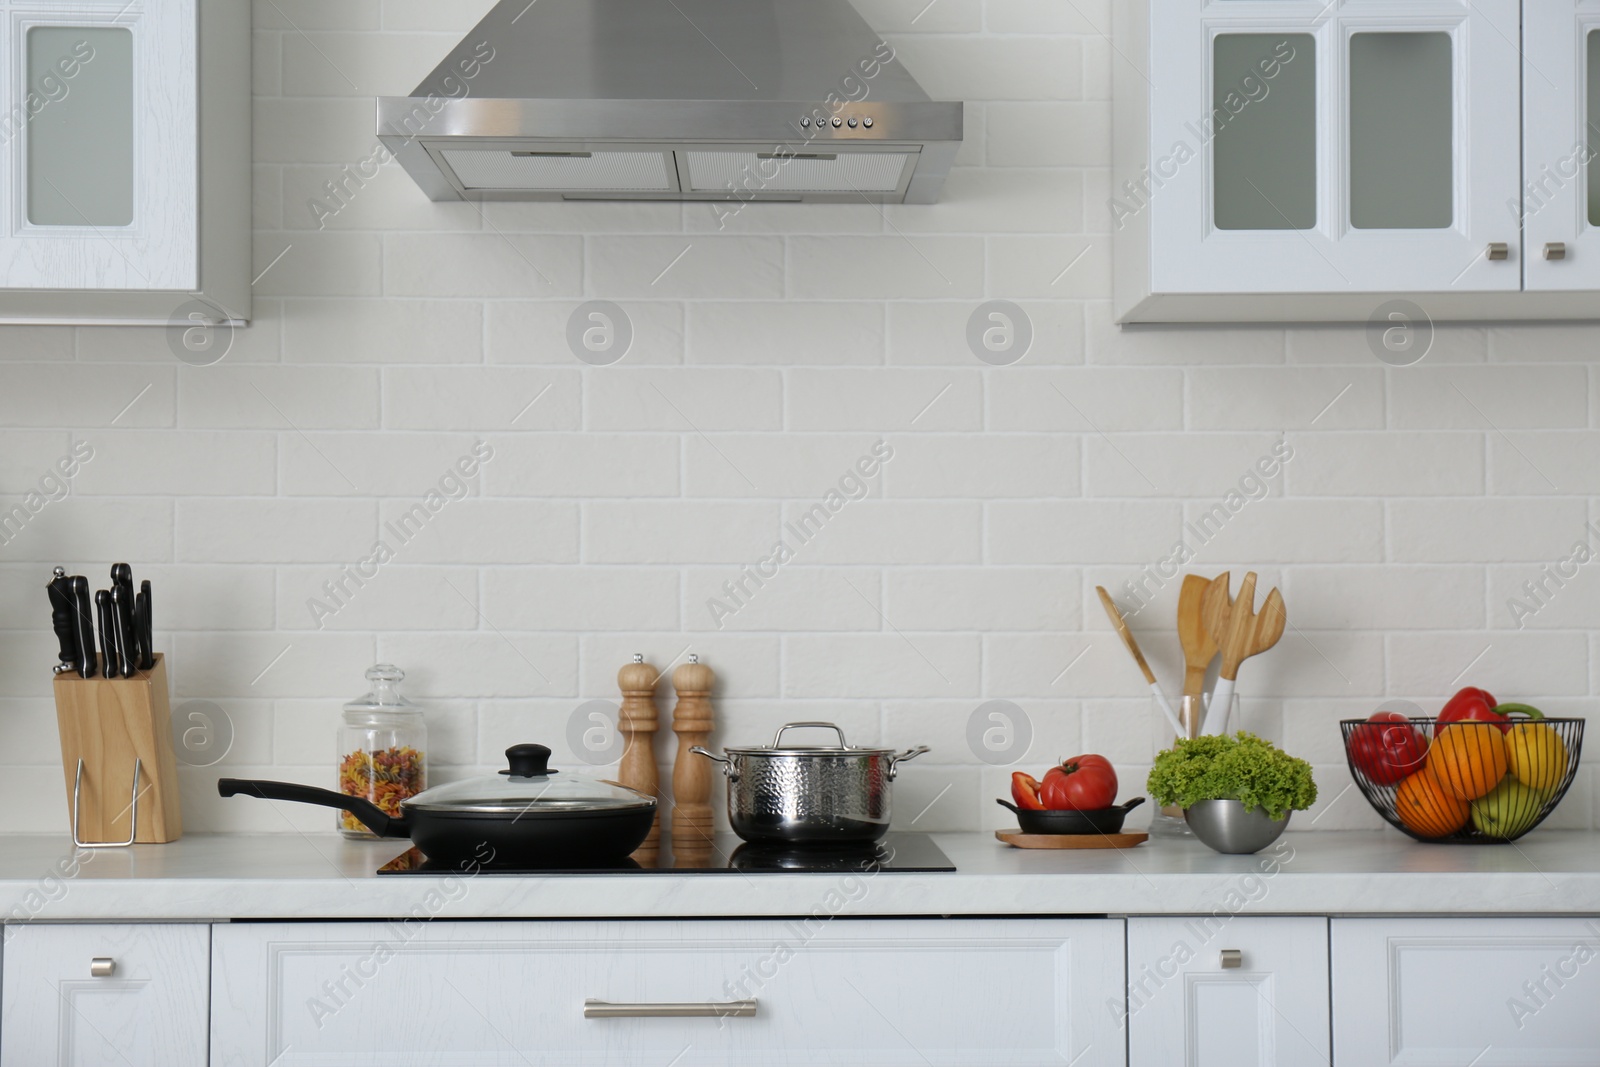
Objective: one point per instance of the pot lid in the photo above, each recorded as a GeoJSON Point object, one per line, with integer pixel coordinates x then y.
{"type": "Point", "coordinates": [528, 786]}
{"type": "Point", "coordinates": [778, 748]}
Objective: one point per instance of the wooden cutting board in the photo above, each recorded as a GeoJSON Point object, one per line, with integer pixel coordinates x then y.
{"type": "Point", "coordinates": [1018, 839]}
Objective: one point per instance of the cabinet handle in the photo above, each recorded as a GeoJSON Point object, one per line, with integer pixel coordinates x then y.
{"type": "Point", "coordinates": [1232, 959]}
{"type": "Point", "coordinates": [1555, 250]}
{"type": "Point", "coordinates": [1499, 250]}
{"type": "Point", "coordinates": [605, 1009]}
{"type": "Point", "coordinates": [102, 967]}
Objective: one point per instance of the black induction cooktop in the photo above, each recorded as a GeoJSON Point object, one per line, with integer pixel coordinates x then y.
{"type": "Point", "coordinates": [727, 854]}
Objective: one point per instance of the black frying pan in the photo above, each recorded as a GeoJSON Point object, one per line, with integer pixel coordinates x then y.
{"type": "Point", "coordinates": [1098, 821]}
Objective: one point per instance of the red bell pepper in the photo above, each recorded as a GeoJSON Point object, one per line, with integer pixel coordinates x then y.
{"type": "Point", "coordinates": [1025, 791]}
{"type": "Point", "coordinates": [1082, 783]}
{"type": "Point", "coordinates": [1389, 749]}
{"type": "Point", "coordinates": [1479, 705]}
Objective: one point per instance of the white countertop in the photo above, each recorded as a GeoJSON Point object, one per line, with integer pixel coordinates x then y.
{"type": "Point", "coordinates": [288, 876]}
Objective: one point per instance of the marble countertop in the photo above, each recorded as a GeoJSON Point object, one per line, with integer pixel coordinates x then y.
{"type": "Point", "coordinates": [289, 876]}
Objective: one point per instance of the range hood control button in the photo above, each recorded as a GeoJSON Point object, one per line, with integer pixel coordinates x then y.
{"type": "Point", "coordinates": [805, 122]}
{"type": "Point", "coordinates": [867, 122]}
{"type": "Point", "coordinates": [837, 123]}
{"type": "Point", "coordinates": [852, 124]}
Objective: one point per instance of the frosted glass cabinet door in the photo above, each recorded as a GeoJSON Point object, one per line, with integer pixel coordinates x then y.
{"type": "Point", "coordinates": [1561, 122]}
{"type": "Point", "coordinates": [98, 150]}
{"type": "Point", "coordinates": [1332, 146]}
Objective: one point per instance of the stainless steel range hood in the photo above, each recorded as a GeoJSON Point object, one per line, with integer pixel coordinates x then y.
{"type": "Point", "coordinates": [739, 100]}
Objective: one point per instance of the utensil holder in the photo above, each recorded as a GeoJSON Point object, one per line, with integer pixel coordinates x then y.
{"type": "Point", "coordinates": [116, 753]}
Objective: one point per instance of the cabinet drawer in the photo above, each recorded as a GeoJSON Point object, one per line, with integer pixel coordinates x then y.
{"type": "Point", "coordinates": [150, 1008]}
{"type": "Point", "coordinates": [1490, 992]}
{"type": "Point", "coordinates": [947, 993]}
{"type": "Point", "coordinates": [1186, 1007]}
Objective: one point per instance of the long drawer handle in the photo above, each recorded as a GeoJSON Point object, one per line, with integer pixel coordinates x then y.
{"type": "Point", "coordinates": [605, 1009]}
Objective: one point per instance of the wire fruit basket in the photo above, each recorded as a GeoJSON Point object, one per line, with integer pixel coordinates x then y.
{"type": "Point", "coordinates": [1467, 782]}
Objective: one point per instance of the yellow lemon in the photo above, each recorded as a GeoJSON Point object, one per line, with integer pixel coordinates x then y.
{"type": "Point", "coordinates": [1535, 755]}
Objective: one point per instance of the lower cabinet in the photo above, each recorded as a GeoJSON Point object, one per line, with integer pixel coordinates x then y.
{"type": "Point", "coordinates": [1227, 991]}
{"type": "Point", "coordinates": [1490, 992]}
{"type": "Point", "coordinates": [890, 993]}
{"type": "Point", "coordinates": [88, 995]}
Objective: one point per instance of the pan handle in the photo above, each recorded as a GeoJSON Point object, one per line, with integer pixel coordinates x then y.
{"type": "Point", "coordinates": [908, 754]}
{"type": "Point", "coordinates": [727, 764]}
{"type": "Point", "coordinates": [371, 816]}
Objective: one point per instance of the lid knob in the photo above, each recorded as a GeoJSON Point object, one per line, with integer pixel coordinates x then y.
{"type": "Point", "coordinates": [528, 761]}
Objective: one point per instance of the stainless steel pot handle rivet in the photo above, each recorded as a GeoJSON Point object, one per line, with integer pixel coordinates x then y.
{"type": "Point", "coordinates": [727, 764]}
{"type": "Point", "coordinates": [777, 740]}
{"type": "Point", "coordinates": [899, 758]}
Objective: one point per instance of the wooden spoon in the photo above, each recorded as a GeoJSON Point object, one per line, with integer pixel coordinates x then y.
{"type": "Point", "coordinates": [1126, 634]}
{"type": "Point", "coordinates": [1246, 634]}
{"type": "Point", "coordinates": [1199, 647]}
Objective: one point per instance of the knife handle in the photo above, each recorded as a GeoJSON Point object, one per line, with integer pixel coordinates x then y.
{"type": "Point", "coordinates": [83, 627]}
{"type": "Point", "coordinates": [145, 625]}
{"type": "Point", "coordinates": [62, 612]}
{"type": "Point", "coordinates": [122, 617]}
{"type": "Point", "coordinates": [102, 605]}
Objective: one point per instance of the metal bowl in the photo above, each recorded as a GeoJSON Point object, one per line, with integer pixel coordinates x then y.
{"type": "Point", "coordinates": [1225, 826]}
{"type": "Point", "coordinates": [1098, 821]}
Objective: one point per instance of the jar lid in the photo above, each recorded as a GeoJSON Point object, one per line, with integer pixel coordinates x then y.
{"type": "Point", "coordinates": [530, 786]}
{"type": "Point", "coordinates": [385, 695]}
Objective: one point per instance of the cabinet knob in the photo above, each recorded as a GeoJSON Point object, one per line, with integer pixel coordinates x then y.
{"type": "Point", "coordinates": [1499, 250]}
{"type": "Point", "coordinates": [1555, 250]}
{"type": "Point", "coordinates": [1232, 959]}
{"type": "Point", "coordinates": [102, 967]}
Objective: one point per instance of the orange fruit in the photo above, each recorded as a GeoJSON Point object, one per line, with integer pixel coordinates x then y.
{"type": "Point", "coordinates": [1428, 808]}
{"type": "Point", "coordinates": [1468, 758]}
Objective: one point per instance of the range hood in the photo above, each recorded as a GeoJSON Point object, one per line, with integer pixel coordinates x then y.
{"type": "Point", "coordinates": [746, 100]}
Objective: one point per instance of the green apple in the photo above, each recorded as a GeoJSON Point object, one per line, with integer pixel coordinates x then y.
{"type": "Point", "coordinates": [1508, 810]}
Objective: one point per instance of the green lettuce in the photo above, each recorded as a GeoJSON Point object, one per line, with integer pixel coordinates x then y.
{"type": "Point", "coordinates": [1242, 767]}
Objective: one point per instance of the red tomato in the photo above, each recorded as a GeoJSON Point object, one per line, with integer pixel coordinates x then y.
{"type": "Point", "coordinates": [1025, 791]}
{"type": "Point", "coordinates": [1388, 750]}
{"type": "Point", "coordinates": [1082, 783]}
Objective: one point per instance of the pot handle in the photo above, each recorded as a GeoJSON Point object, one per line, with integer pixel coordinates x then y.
{"type": "Point", "coordinates": [727, 764]}
{"type": "Point", "coordinates": [908, 754]}
{"type": "Point", "coordinates": [778, 739]}
{"type": "Point", "coordinates": [372, 817]}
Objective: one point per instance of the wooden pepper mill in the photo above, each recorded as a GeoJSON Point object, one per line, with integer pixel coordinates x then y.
{"type": "Point", "coordinates": [691, 774]}
{"type": "Point", "coordinates": [637, 721]}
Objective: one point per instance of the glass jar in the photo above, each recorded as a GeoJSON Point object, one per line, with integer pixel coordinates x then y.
{"type": "Point", "coordinates": [383, 747]}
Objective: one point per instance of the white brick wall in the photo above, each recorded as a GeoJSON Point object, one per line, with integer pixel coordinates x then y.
{"type": "Point", "coordinates": [768, 356]}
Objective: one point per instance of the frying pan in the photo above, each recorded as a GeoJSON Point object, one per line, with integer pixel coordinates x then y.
{"type": "Point", "coordinates": [1097, 821]}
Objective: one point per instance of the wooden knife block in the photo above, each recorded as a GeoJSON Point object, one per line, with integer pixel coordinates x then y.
{"type": "Point", "coordinates": [109, 723]}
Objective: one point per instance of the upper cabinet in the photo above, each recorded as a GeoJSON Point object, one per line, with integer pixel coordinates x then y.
{"type": "Point", "coordinates": [1291, 160]}
{"type": "Point", "coordinates": [124, 160]}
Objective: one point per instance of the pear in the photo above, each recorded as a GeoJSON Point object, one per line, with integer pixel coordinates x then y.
{"type": "Point", "coordinates": [1509, 810]}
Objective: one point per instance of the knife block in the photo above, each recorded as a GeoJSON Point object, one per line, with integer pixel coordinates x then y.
{"type": "Point", "coordinates": [108, 723]}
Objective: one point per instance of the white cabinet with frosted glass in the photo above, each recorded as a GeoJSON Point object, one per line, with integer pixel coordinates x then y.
{"type": "Point", "coordinates": [124, 160]}
{"type": "Point", "coordinates": [1294, 160]}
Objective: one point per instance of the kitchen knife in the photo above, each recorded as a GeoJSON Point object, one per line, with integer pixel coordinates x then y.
{"type": "Point", "coordinates": [62, 613]}
{"type": "Point", "coordinates": [145, 624]}
{"type": "Point", "coordinates": [122, 578]}
{"type": "Point", "coordinates": [122, 620]}
{"type": "Point", "coordinates": [83, 627]}
{"type": "Point", "coordinates": [102, 605]}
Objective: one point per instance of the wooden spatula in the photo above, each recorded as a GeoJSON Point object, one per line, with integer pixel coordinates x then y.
{"type": "Point", "coordinates": [1199, 647]}
{"type": "Point", "coordinates": [1126, 634]}
{"type": "Point", "coordinates": [1245, 634]}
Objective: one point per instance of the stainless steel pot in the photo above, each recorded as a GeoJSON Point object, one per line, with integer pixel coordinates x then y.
{"type": "Point", "coordinates": [809, 794]}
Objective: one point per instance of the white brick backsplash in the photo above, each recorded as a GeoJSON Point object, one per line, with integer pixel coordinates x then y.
{"type": "Point", "coordinates": [481, 264]}
{"type": "Point", "coordinates": [663, 268]}
{"type": "Point", "coordinates": [787, 334]}
{"type": "Point", "coordinates": [895, 266]}
{"type": "Point", "coordinates": [1490, 398]}
{"type": "Point", "coordinates": [1054, 729]}
{"type": "Point", "coordinates": [689, 401]}
{"type": "Point", "coordinates": [678, 531]}
{"type": "Point", "coordinates": [275, 531]}
{"type": "Point", "coordinates": [383, 331]}
{"type": "Point", "coordinates": [536, 332]}
{"type": "Point", "coordinates": [1487, 531]}
{"type": "Point", "coordinates": [773, 347]}
{"type": "Point", "coordinates": [988, 599]}
{"type": "Point", "coordinates": [910, 663]}
{"type": "Point", "coordinates": [1009, 465]}
{"type": "Point", "coordinates": [1390, 464]}
{"type": "Point", "coordinates": [1084, 400]}
{"type": "Point", "coordinates": [884, 400]}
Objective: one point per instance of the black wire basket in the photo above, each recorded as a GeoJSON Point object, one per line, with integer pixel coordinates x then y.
{"type": "Point", "coordinates": [1467, 782]}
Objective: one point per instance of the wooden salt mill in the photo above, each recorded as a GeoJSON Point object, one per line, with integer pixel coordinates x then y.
{"type": "Point", "coordinates": [637, 721]}
{"type": "Point", "coordinates": [691, 774]}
